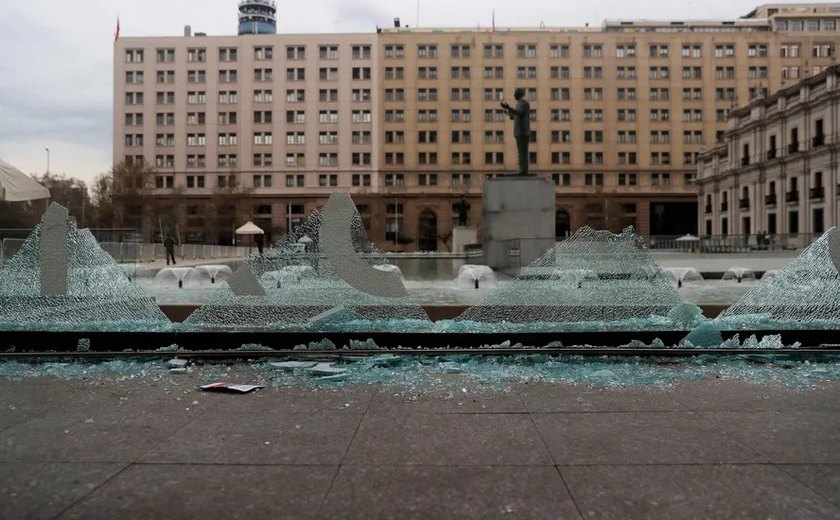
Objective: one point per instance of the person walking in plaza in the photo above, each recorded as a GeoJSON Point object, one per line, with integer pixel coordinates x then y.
{"type": "Point", "coordinates": [169, 245]}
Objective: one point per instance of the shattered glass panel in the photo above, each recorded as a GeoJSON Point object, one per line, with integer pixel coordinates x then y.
{"type": "Point", "coordinates": [805, 293]}
{"type": "Point", "coordinates": [464, 378]}
{"type": "Point", "coordinates": [593, 276]}
{"type": "Point", "coordinates": [99, 294]}
{"type": "Point", "coordinates": [303, 290]}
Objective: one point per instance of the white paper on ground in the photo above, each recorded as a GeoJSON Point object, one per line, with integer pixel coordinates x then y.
{"type": "Point", "coordinates": [230, 387]}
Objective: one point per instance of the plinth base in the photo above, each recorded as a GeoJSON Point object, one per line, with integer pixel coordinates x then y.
{"type": "Point", "coordinates": [518, 215]}
{"type": "Point", "coordinates": [463, 236]}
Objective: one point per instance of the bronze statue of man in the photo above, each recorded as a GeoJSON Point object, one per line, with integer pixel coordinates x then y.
{"type": "Point", "coordinates": [521, 116]}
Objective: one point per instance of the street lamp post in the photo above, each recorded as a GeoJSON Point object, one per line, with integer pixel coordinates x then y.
{"type": "Point", "coordinates": [82, 189]}
{"type": "Point", "coordinates": [48, 159]}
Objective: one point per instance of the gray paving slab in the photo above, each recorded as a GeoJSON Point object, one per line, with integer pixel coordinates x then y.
{"type": "Point", "coordinates": [453, 399]}
{"type": "Point", "coordinates": [12, 416]}
{"type": "Point", "coordinates": [693, 491]}
{"type": "Point", "coordinates": [735, 395]}
{"type": "Point", "coordinates": [823, 479]}
{"type": "Point", "coordinates": [549, 397]}
{"type": "Point", "coordinates": [447, 439]}
{"type": "Point", "coordinates": [352, 399]}
{"type": "Point", "coordinates": [208, 491]}
{"type": "Point", "coordinates": [40, 394]}
{"type": "Point", "coordinates": [451, 492]}
{"type": "Point", "coordinates": [637, 438]}
{"type": "Point", "coordinates": [97, 436]}
{"type": "Point", "coordinates": [317, 437]}
{"type": "Point", "coordinates": [784, 437]}
{"type": "Point", "coordinates": [43, 490]}
{"type": "Point", "coordinates": [408, 451]}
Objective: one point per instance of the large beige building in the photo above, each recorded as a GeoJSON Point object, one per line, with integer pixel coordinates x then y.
{"type": "Point", "coordinates": [777, 173]}
{"type": "Point", "coordinates": [407, 120]}
{"type": "Point", "coordinates": [252, 127]}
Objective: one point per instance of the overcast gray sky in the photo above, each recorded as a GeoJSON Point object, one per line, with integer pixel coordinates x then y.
{"type": "Point", "coordinates": [56, 66]}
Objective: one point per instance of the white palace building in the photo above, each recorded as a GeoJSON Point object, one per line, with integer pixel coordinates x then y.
{"type": "Point", "coordinates": [776, 173]}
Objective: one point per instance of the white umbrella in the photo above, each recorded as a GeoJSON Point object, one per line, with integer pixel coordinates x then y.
{"type": "Point", "coordinates": [249, 228]}
{"type": "Point", "coordinates": [16, 186]}
{"type": "Point", "coordinates": [687, 238]}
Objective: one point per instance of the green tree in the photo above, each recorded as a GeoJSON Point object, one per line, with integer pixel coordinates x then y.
{"type": "Point", "coordinates": [126, 188]}
{"type": "Point", "coordinates": [102, 197]}
{"type": "Point", "coordinates": [70, 192]}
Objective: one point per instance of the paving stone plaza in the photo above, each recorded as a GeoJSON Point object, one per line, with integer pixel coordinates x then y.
{"type": "Point", "coordinates": [138, 444]}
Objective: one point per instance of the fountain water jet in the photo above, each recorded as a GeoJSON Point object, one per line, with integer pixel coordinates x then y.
{"type": "Point", "coordinates": [220, 272]}
{"type": "Point", "coordinates": [181, 275]}
{"type": "Point", "coordinates": [680, 274]}
{"type": "Point", "coordinates": [472, 276]}
{"type": "Point", "coordinates": [739, 273]}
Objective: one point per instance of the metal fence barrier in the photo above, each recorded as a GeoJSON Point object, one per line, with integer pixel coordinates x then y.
{"type": "Point", "coordinates": [142, 252]}
{"type": "Point", "coordinates": [732, 243]}
{"type": "Point", "coordinates": [149, 252]}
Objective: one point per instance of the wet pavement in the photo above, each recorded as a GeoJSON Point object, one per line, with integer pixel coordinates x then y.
{"type": "Point", "coordinates": [139, 442]}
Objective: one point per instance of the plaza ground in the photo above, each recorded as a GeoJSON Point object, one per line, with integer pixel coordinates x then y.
{"type": "Point", "coordinates": [143, 446]}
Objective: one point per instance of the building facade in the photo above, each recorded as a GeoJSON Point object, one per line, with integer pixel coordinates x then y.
{"type": "Point", "coordinates": [408, 120]}
{"type": "Point", "coordinates": [252, 127]}
{"type": "Point", "coordinates": [777, 172]}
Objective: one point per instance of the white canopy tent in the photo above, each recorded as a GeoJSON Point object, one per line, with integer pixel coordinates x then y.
{"type": "Point", "coordinates": [249, 228]}
{"type": "Point", "coordinates": [688, 238]}
{"type": "Point", "coordinates": [16, 186]}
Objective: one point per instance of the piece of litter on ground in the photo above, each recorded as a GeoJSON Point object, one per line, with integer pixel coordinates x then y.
{"type": "Point", "coordinates": [230, 387]}
{"type": "Point", "coordinates": [325, 369]}
{"type": "Point", "coordinates": [178, 363]}
{"type": "Point", "coordinates": [178, 370]}
{"type": "Point", "coordinates": [292, 365]}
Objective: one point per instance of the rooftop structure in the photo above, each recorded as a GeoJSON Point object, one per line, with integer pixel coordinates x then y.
{"type": "Point", "coordinates": [257, 17]}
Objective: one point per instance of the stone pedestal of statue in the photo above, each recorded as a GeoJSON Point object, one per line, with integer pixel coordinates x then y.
{"type": "Point", "coordinates": [518, 213]}
{"type": "Point", "coordinates": [463, 236]}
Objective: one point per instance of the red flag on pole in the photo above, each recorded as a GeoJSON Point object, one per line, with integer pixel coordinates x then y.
{"type": "Point", "coordinates": [117, 33]}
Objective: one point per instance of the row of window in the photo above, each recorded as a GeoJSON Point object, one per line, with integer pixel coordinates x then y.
{"type": "Point", "coordinates": [230, 160]}
{"type": "Point", "coordinates": [423, 137]}
{"type": "Point", "coordinates": [491, 158]}
{"type": "Point", "coordinates": [596, 50]}
{"type": "Point", "coordinates": [231, 75]}
{"type": "Point", "coordinates": [260, 117]}
{"type": "Point", "coordinates": [423, 116]}
{"type": "Point", "coordinates": [261, 53]}
{"type": "Point", "coordinates": [796, 25]}
{"type": "Point", "coordinates": [793, 143]}
{"type": "Point", "coordinates": [227, 97]}
{"type": "Point", "coordinates": [817, 224]}
{"type": "Point", "coordinates": [565, 94]}
{"type": "Point", "coordinates": [557, 72]}
{"type": "Point", "coordinates": [589, 114]}
{"type": "Point", "coordinates": [398, 179]}
{"type": "Point", "coordinates": [495, 50]}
